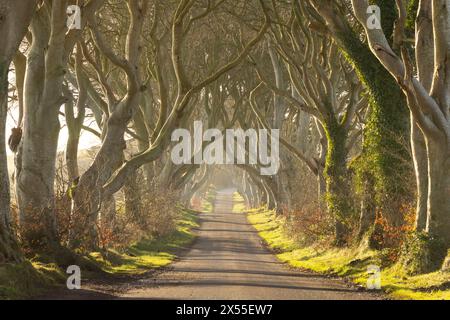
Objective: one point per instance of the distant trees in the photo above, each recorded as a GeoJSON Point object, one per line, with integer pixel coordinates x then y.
{"type": "Point", "coordinates": [341, 93]}
{"type": "Point", "coordinates": [181, 85]}
{"type": "Point", "coordinates": [324, 85]}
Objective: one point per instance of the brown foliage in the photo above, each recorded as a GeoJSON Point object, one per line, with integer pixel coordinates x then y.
{"type": "Point", "coordinates": [392, 237]}
{"type": "Point", "coordinates": [310, 225]}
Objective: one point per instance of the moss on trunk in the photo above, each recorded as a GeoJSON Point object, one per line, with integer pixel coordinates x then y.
{"type": "Point", "coordinates": [339, 201]}
{"type": "Point", "coordinates": [386, 130]}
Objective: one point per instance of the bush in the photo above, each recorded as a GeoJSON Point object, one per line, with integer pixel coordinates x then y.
{"type": "Point", "coordinates": [310, 225]}
{"type": "Point", "coordinates": [390, 238]}
{"type": "Point", "coordinates": [139, 211]}
{"type": "Point", "coordinates": [421, 253]}
{"type": "Point", "coordinates": [153, 215]}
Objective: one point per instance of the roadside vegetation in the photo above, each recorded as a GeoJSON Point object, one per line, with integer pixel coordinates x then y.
{"type": "Point", "coordinates": [34, 276]}
{"type": "Point", "coordinates": [97, 97]}
{"type": "Point", "coordinates": [351, 262]}
{"type": "Point", "coordinates": [238, 203]}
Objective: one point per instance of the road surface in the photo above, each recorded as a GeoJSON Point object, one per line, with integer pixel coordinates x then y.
{"type": "Point", "coordinates": [228, 261]}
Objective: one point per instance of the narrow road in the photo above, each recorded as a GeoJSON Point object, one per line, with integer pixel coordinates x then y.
{"type": "Point", "coordinates": [228, 261]}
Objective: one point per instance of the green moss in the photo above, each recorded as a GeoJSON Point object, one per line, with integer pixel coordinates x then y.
{"type": "Point", "coordinates": [349, 262]}
{"type": "Point", "coordinates": [18, 281]}
{"type": "Point", "coordinates": [422, 253]}
{"type": "Point", "coordinates": [387, 127]}
{"type": "Point", "coordinates": [337, 178]}
{"type": "Point", "coordinates": [388, 16]}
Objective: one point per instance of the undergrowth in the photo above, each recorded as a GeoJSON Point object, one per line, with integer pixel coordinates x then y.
{"type": "Point", "coordinates": [38, 274]}
{"type": "Point", "coordinates": [352, 262]}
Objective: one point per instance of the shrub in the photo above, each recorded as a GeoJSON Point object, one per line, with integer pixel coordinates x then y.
{"type": "Point", "coordinates": [387, 235]}
{"type": "Point", "coordinates": [310, 225]}
{"type": "Point", "coordinates": [153, 216]}
{"type": "Point", "coordinates": [422, 253]}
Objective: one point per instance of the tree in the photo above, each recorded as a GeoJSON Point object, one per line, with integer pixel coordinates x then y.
{"type": "Point", "coordinates": [75, 123]}
{"type": "Point", "coordinates": [103, 176]}
{"type": "Point", "coordinates": [15, 16]}
{"type": "Point", "coordinates": [429, 105]}
{"type": "Point", "coordinates": [324, 86]}
{"type": "Point", "coordinates": [380, 171]}
{"type": "Point", "coordinates": [51, 45]}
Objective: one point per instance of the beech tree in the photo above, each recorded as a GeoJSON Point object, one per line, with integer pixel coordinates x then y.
{"type": "Point", "coordinates": [324, 86]}
{"type": "Point", "coordinates": [181, 107]}
{"type": "Point", "coordinates": [15, 16]}
{"type": "Point", "coordinates": [427, 96]}
{"type": "Point", "coordinates": [51, 46]}
{"type": "Point", "coordinates": [360, 110]}
{"type": "Point", "coordinates": [379, 170]}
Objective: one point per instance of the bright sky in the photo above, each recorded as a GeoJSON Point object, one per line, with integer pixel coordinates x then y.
{"type": "Point", "coordinates": [87, 139]}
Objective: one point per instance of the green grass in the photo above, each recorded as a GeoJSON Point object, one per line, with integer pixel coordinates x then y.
{"type": "Point", "coordinates": [33, 277]}
{"type": "Point", "coordinates": [26, 279]}
{"type": "Point", "coordinates": [207, 206]}
{"type": "Point", "coordinates": [238, 203]}
{"type": "Point", "coordinates": [349, 262]}
{"type": "Point", "coordinates": [149, 254]}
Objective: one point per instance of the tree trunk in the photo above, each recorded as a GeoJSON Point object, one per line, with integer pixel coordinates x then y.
{"type": "Point", "coordinates": [321, 187]}
{"type": "Point", "coordinates": [419, 151]}
{"type": "Point", "coordinates": [72, 156]}
{"type": "Point", "coordinates": [141, 129]}
{"type": "Point", "coordinates": [9, 251]}
{"type": "Point", "coordinates": [36, 159]}
{"type": "Point", "coordinates": [338, 186]}
{"type": "Point", "coordinates": [87, 199]}
{"type": "Point", "coordinates": [35, 170]}
{"type": "Point", "coordinates": [4, 177]}
{"type": "Point", "coordinates": [74, 124]}
{"type": "Point", "coordinates": [166, 173]}
{"type": "Point", "coordinates": [15, 17]}
{"type": "Point", "coordinates": [132, 196]}
{"type": "Point", "coordinates": [107, 222]}
{"type": "Point", "coordinates": [387, 124]}
{"type": "Point", "coordinates": [438, 219]}
{"type": "Point", "coordinates": [282, 182]}
{"type": "Point", "coordinates": [270, 198]}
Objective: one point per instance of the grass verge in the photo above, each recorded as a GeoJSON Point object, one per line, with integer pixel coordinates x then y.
{"type": "Point", "coordinates": [150, 254]}
{"type": "Point", "coordinates": [18, 281]}
{"type": "Point", "coordinates": [238, 203]}
{"type": "Point", "coordinates": [33, 277]}
{"type": "Point", "coordinates": [351, 263]}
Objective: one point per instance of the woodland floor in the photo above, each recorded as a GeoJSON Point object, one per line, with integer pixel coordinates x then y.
{"type": "Point", "coordinates": [227, 261]}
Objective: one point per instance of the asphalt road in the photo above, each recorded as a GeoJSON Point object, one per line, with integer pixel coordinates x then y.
{"type": "Point", "coordinates": [228, 261]}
